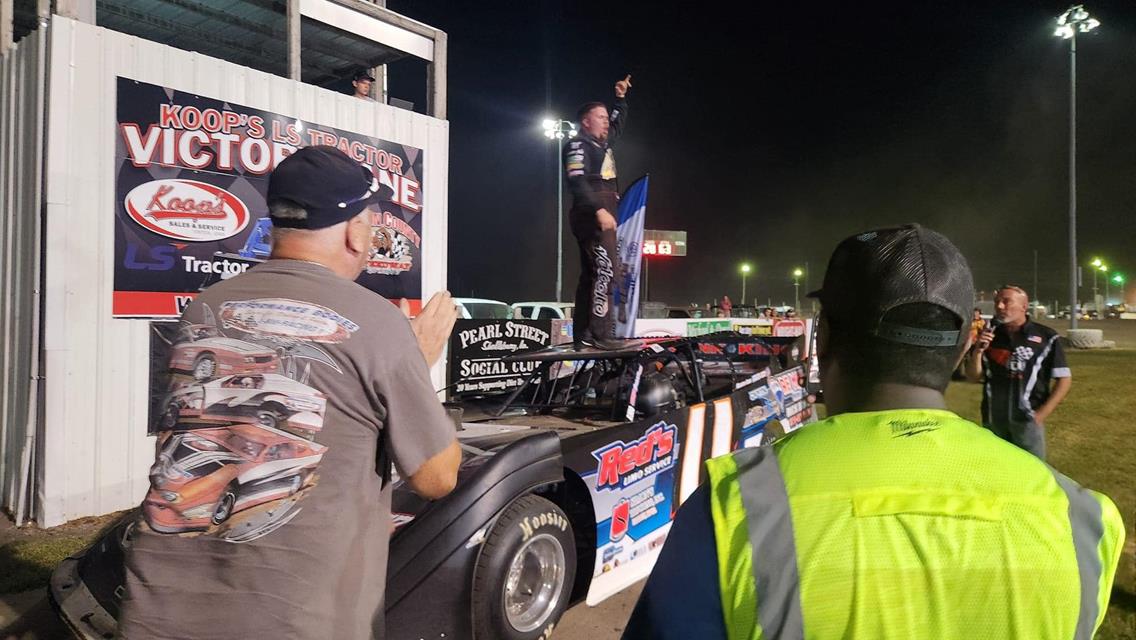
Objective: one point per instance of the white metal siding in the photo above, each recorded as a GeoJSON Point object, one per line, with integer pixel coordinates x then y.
{"type": "Point", "coordinates": [96, 450]}
{"type": "Point", "coordinates": [21, 164]}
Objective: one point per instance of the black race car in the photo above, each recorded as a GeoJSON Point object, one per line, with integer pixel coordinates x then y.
{"type": "Point", "coordinates": [566, 491]}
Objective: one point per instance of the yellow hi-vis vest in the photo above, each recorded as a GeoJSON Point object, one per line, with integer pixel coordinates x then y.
{"type": "Point", "coordinates": [908, 524]}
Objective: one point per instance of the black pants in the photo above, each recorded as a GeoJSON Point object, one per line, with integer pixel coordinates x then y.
{"type": "Point", "coordinates": [594, 316]}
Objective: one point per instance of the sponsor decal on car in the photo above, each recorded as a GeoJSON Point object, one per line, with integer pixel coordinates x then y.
{"type": "Point", "coordinates": [187, 210]}
{"type": "Point", "coordinates": [625, 463]}
{"type": "Point", "coordinates": [620, 520]}
{"type": "Point", "coordinates": [610, 552]}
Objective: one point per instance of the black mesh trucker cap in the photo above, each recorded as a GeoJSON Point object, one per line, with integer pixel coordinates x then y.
{"type": "Point", "coordinates": [871, 273]}
{"type": "Point", "coordinates": [326, 183]}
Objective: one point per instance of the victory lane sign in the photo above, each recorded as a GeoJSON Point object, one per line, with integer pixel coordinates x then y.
{"type": "Point", "coordinates": [191, 179]}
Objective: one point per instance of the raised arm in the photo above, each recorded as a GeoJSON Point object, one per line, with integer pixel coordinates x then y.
{"type": "Point", "coordinates": [618, 116]}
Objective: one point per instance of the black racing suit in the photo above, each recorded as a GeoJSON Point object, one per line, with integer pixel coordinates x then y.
{"type": "Point", "coordinates": [590, 167]}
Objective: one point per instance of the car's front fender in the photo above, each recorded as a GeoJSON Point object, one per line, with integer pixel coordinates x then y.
{"type": "Point", "coordinates": [444, 538]}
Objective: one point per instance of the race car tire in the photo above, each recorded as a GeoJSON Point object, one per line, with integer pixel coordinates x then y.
{"type": "Point", "coordinates": [523, 577]}
{"type": "Point", "coordinates": [225, 505]}
{"type": "Point", "coordinates": [1085, 338]}
{"type": "Point", "coordinates": [204, 367]}
{"type": "Point", "coordinates": [270, 416]}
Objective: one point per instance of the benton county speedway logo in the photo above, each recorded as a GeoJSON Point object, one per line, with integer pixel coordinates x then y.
{"type": "Point", "coordinates": [624, 463]}
{"type": "Point", "coordinates": [393, 243]}
{"type": "Point", "coordinates": [187, 210]}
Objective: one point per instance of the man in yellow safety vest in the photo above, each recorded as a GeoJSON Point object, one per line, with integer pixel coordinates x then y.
{"type": "Point", "coordinates": [893, 518]}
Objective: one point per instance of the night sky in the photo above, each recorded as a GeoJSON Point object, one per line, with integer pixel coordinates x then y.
{"type": "Point", "coordinates": [770, 135]}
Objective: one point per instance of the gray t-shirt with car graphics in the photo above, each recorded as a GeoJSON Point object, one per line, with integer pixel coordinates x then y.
{"type": "Point", "coordinates": [267, 516]}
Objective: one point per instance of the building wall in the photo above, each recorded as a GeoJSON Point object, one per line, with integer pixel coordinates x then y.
{"type": "Point", "coordinates": [95, 449]}
{"type": "Point", "coordinates": [21, 147]}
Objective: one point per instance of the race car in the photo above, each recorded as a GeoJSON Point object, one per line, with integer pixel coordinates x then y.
{"type": "Point", "coordinates": [268, 399]}
{"type": "Point", "coordinates": [203, 352]}
{"type": "Point", "coordinates": [566, 491]}
{"type": "Point", "coordinates": [203, 477]}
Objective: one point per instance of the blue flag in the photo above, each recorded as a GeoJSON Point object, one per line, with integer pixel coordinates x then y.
{"type": "Point", "coordinates": [629, 236]}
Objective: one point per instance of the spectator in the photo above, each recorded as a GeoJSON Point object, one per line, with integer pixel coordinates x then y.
{"type": "Point", "coordinates": [977, 325]}
{"type": "Point", "coordinates": [230, 545]}
{"type": "Point", "coordinates": [892, 518]}
{"type": "Point", "coordinates": [363, 81]}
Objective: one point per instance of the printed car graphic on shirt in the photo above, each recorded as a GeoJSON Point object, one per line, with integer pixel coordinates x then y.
{"type": "Point", "coordinates": [267, 399]}
{"type": "Point", "coordinates": [203, 477]}
{"type": "Point", "coordinates": [204, 352]}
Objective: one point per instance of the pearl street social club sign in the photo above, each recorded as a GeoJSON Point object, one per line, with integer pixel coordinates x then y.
{"type": "Point", "coordinates": [477, 348]}
{"type": "Point", "coordinates": [190, 184]}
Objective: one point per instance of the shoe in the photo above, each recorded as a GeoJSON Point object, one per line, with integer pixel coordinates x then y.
{"type": "Point", "coordinates": [605, 344]}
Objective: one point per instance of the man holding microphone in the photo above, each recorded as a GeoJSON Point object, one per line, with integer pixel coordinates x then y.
{"type": "Point", "coordinates": [1026, 375]}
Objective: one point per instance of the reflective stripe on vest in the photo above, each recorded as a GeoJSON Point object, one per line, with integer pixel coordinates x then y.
{"type": "Point", "coordinates": [757, 562]}
{"type": "Point", "coordinates": [1088, 527]}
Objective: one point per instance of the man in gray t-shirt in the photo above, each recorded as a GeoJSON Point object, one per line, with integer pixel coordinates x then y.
{"type": "Point", "coordinates": [291, 388]}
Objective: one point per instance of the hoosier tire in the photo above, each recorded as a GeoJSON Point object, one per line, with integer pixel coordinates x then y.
{"type": "Point", "coordinates": [524, 574]}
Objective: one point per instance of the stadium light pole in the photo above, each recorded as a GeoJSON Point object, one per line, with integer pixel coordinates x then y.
{"type": "Point", "coordinates": [1104, 269]}
{"type": "Point", "coordinates": [797, 273]}
{"type": "Point", "coordinates": [558, 129]}
{"type": "Point", "coordinates": [1096, 264]}
{"type": "Point", "coordinates": [1075, 20]}
{"type": "Point", "coordinates": [745, 268]}
{"type": "Point", "coordinates": [1118, 279]}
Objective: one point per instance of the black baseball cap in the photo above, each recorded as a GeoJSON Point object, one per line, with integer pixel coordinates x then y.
{"type": "Point", "coordinates": [326, 183]}
{"type": "Point", "coordinates": [871, 273]}
{"type": "Point", "coordinates": [362, 74]}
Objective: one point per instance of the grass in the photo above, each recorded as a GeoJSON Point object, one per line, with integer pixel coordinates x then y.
{"type": "Point", "coordinates": [27, 564]}
{"type": "Point", "coordinates": [1092, 439]}
{"type": "Point", "coordinates": [28, 555]}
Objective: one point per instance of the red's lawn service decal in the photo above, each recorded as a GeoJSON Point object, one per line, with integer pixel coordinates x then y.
{"type": "Point", "coordinates": [187, 210]}
{"type": "Point", "coordinates": [621, 464]}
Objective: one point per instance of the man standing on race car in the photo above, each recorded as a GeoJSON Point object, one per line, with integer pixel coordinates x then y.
{"type": "Point", "coordinates": [253, 531]}
{"type": "Point", "coordinates": [1026, 373]}
{"type": "Point", "coordinates": [590, 167]}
